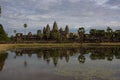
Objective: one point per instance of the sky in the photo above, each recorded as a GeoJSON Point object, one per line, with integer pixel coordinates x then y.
{"type": "Point", "coordinates": [89, 14]}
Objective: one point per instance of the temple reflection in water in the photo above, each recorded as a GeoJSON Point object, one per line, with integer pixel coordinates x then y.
{"type": "Point", "coordinates": [55, 55]}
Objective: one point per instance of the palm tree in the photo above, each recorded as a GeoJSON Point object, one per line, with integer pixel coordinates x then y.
{"type": "Point", "coordinates": [14, 31]}
{"type": "Point", "coordinates": [109, 33]}
{"type": "Point", "coordinates": [0, 10]}
{"type": "Point", "coordinates": [25, 26]}
{"type": "Point", "coordinates": [81, 32]}
{"type": "Point", "coordinates": [109, 29]}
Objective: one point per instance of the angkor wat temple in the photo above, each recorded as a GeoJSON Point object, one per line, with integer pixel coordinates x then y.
{"type": "Point", "coordinates": [61, 35]}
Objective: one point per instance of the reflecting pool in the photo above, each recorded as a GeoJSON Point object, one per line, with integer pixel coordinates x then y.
{"type": "Point", "coordinates": [61, 64]}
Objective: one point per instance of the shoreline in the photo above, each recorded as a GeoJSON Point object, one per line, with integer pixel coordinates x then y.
{"type": "Point", "coordinates": [4, 47]}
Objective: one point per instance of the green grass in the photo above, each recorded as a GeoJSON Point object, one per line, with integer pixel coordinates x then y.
{"type": "Point", "coordinates": [4, 47]}
{"type": "Point", "coordinates": [47, 45]}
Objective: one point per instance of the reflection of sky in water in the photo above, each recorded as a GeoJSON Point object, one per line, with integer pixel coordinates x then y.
{"type": "Point", "coordinates": [31, 67]}
{"type": "Point", "coordinates": [102, 69]}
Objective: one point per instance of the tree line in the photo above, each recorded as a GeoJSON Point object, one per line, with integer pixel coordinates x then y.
{"type": "Point", "coordinates": [3, 34]}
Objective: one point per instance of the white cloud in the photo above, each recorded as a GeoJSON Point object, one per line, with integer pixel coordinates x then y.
{"type": "Point", "coordinates": [108, 3]}
{"type": "Point", "coordinates": [74, 1]}
{"type": "Point", "coordinates": [115, 7]}
{"type": "Point", "coordinates": [100, 2]}
{"type": "Point", "coordinates": [114, 23]}
{"type": "Point", "coordinates": [75, 13]}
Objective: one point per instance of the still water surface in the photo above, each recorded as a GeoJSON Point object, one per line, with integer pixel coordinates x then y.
{"type": "Point", "coordinates": [61, 64]}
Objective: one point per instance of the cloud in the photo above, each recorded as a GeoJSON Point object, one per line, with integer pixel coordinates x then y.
{"type": "Point", "coordinates": [100, 2]}
{"type": "Point", "coordinates": [75, 13]}
{"type": "Point", "coordinates": [74, 1]}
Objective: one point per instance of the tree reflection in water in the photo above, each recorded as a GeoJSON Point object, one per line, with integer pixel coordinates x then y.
{"type": "Point", "coordinates": [54, 55]}
{"type": "Point", "coordinates": [3, 57]}
{"type": "Point", "coordinates": [81, 58]}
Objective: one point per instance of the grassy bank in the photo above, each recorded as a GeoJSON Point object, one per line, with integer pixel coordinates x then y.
{"type": "Point", "coordinates": [103, 44]}
{"type": "Point", "coordinates": [48, 45]}
{"type": "Point", "coordinates": [4, 47]}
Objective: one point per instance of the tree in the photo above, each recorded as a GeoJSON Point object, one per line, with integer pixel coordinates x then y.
{"type": "Point", "coordinates": [100, 35]}
{"type": "Point", "coordinates": [67, 29]}
{"type": "Point", "coordinates": [39, 33]}
{"type": "Point", "coordinates": [109, 29]}
{"type": "Point", "coordinates": [14, 31]}
{"type": "Point", "coordinates": [81, 32]}
{"type": "Point", "coordinates": [67, 57]}
{"type": "Point", "coordinates": [13, 38]}
{"type": "Point", "coordinates": [25, 26]}
{"type": "Point", "coordinates": [3, 35]}
{"type": "Point", "coordinates": [81, 58]}
{"type": "Point", "coordinates": [109, 33]}
{"type": "Point", "coordinates": [72, 37]}
{"type": "Point", "coordinates": [92, 34]}
{"type": "Point", "coordinates": [3, 58]}
{"type": "Point", "coordinates": [0, 10]}
{"type": "Point", "coordinates": [117, 35]}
